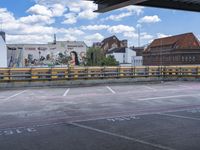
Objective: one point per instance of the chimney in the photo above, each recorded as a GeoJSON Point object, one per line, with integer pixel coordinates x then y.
{"type": "Point", "coordinates": [54, 41]}
{"type": "Point", "coordinates": [125, 43]}
{"type": "Point", "coordinates": [3, 35]}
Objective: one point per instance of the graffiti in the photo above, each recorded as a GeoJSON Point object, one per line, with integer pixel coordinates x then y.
{"type": "Point", "coordinates": [61, 53]}
{"type": "Point", "coordinates": [58, 58]}
{"type": "Point", "coordinates": [74, 58]}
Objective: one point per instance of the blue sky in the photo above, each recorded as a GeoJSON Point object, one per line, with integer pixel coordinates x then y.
{"type": "Point", "coordinates": [35, 21]}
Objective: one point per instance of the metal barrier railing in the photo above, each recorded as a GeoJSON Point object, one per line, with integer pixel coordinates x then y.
{"type": "Point", "coordinates": [37, 74]}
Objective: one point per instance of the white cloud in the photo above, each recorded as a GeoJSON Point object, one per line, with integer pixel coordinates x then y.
{"type": "Point", "coordinates": [118, 17]}
{"type": "Point", "coordinates": [146, 36]}
{"type": "Point", "coordinates": [134, 35]}
{"type": "Point", "coordinates": [93, 38]}
{"type": "Point", "coordinates": [51, 11]}
{"type": "Point", "coordinates": [127, 11]}
{"type": "Point", "coordinates": [95, 27]}
{"type": "Point", "coordinates": [82, 9]}
{"type": "Point", "coordinates": [161, 35]}
{"type": "Point", "coordinates": [58, 9]}
{"type": "Point", "coordinates": [149, 19]}
{"type": "Point", "coordinates": [40, 10]}
{"type": "Point", "coordinates": [25, 39]}
{"type": "Point", "coordinates": [70, 18]}
{"type": "Point", "coordinates": [138, 10]}
{"type": "Point", "coordinates": [36, 19]}
{"type": "Point", "coordinates": [121, 29]}
{"type": "Point", "coordinates": [87, 14]}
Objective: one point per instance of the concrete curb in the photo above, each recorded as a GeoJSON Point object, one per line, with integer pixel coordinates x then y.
{"type": "Point", "coordinates": [82, 83]}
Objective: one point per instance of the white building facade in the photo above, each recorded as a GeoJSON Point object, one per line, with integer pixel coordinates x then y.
{"type": "Point", "coordinates": [137, 61]}
{"type": "Point", "coordinates": [26, 55]}
{"type": "Point", "coordinates": [125, 56]}
{"type": "Point", "coordinates": [3, 53]}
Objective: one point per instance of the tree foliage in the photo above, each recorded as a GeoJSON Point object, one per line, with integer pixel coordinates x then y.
{"type": "Point", "coordinates": [95, 57]}
{"type": "Point", "coordinates": [109, 61]}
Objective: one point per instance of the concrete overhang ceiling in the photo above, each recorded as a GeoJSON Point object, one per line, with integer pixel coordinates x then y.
{"type": "Point", "coordinates": [108, 5]}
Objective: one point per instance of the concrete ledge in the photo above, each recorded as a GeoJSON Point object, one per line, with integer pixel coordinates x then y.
{"type": "Point", "coordinates": [74, 83]}
{"type": "Point", "coordinates": [78, 83]}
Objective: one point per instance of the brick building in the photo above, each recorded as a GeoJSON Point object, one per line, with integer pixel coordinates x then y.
{"type": "Point", "coordinates": [138, 50]}
{"type": "Point", "coordinates": [111, 43]}
{"type": "Point", "coordinates": [181, 49]}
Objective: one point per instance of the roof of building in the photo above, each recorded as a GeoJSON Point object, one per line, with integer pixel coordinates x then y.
{"type": "Point", "coordinates": [117, 50]}
{"type": "Point", "coordinates": [109, 38]}
{"type": "Point", "coordinates": [182, 41]}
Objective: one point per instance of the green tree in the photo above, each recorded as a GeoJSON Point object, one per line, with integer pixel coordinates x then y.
{"type": "Point", "coordinates": [94, 56]}
{"type": "Point", "coordinates": [109, 61]}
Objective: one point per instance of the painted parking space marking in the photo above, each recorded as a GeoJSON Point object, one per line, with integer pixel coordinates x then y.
{"type": "Point", "coordinates": [122, 136]}
{"type": "Point", "coordinates": [178, 116]}
{"type": "Point", "coordinates": [186, 87]}
{"type": "Point", "coordinates": [150, 88]}
{"type": "Point", "coordinates": [194, 111]}
{"type": "Point", "coordinates": [167, 97]}
{"type": "Point", "coordinates": [12, 96]}
{"type": "Point", "coordinates": [66, 92]}
{"type": "Point", "coordinates": [124, 118]}
{"type": "Point", "coordinates": [14, 131]}
{"type": "Point", "coordinates": [110, 89]}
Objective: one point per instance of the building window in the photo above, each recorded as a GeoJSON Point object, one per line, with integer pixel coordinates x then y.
{"type": "Point", "coordinates": [183, 59]}
{"type": "Point", "coordinates": [193, 58]}
{"type": "Point", "coordinates": [186, 59]}
{"type": "Point", "coordinates": [123, 58]}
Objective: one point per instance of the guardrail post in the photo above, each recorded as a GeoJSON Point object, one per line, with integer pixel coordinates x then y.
{"type": "Point", "coordinates": [88, 72]}
{"type": "Point", "coordinates": [198, 73]}
{"type": "Point", "coordinates": [33, 74]}
{"type": "Point", "coordinates": [6, 74]}
{"type": "Point", "coordinates": [121, 72]}
{"type": "Point", "coordinates": [76, 73]}
{"type": "Point", "coordinates": [53, 74]}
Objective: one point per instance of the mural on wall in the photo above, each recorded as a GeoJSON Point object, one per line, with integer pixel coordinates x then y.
{"type": "Point", "coordinates": [61, 53]}
{"type": "Point", "coordinates": [56, 58]}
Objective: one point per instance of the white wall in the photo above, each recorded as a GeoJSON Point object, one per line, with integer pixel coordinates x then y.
{"type": "Point", "coordinates": [137, 61]}
{"type": "Point", "coordinates": [129, 54]}
{"type": "Point", "coordinates": [124, 58]}
{"type": "Point", "coordinates": [3, 53]}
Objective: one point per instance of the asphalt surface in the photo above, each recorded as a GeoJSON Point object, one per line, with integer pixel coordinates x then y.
{"type": "Point", "coordinates": [163, 116]}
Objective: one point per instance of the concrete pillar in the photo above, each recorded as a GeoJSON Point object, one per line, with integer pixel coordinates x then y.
{"type": "Point", "coordinates": [3, 53]}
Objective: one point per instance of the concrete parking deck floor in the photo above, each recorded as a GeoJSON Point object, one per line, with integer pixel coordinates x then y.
{"type": "Point", "coordinates": [163, 116]}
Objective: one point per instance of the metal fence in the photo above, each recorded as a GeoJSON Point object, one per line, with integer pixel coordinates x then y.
{"type": "Point", "coordinates": [89, 73]}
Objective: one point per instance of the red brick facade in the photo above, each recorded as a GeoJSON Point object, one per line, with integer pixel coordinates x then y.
{"type": "Point", "coordinates": [181, 49]}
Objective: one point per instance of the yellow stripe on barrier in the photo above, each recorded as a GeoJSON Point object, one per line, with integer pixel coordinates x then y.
{"type": "Point", "coordinates": [12, 74]}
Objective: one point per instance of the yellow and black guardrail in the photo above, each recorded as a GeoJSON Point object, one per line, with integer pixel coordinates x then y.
{"type": "Point", "coordinates": [89, 73]}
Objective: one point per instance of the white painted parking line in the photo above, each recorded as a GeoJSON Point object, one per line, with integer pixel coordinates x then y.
{"type": "Point", "coordinates": [183, 86]}
{"type": "Point", "coordinates": [167, 97]}
{"type": "Point", "coordinates": [178, 116]}
{"type": "Point", "coordinates": [122, 136]}
{"type": "Point", "coordinates": [110, 89]}
{"type": "Point", "coordinates": [150, 88]}
{"type": "Point", "coordinates": [15, 95]}
{"type": "Point", "coordinates": [66, 92]}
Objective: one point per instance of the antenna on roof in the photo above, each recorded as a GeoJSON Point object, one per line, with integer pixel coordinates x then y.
{"type": "Point", "coordinates": [54, 41]}
{"type": "Point", "coordinates": [139, 34]}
